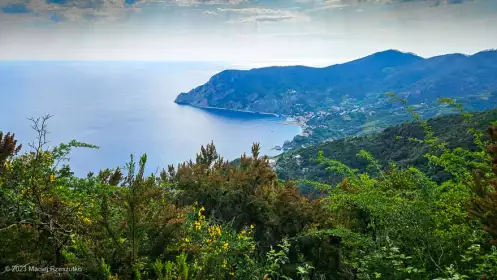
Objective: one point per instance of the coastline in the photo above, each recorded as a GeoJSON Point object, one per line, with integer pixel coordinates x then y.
{"type": "Point", "coordinates": [233, 110]}
{"type": "Point", "coordinates": [288, 120]}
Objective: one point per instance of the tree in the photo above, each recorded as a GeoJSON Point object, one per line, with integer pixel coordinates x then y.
{"type": "Point", "coordinates": [484, 203]}
{"type": "Point", "coordinates": [8, 148]}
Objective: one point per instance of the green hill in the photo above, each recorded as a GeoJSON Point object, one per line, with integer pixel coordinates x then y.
{"type": "Point", "coordinates": [385, 146]}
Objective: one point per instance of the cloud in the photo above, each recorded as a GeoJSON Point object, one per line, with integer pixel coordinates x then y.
{"type": "Point", "coordinates": [326, 7]}
{"type": "Point", "coordinates": [257, 14]}
{"type": "Point", "coordinates": [274, 18]}
{"type": "Point", "coordinates": [204, 2]}
{"type": "Point", "coordinates": [72, 10]}
{"type": "Point", "coordinates": [15, 8]}
{"type": "Point", "coordinates": [209, 13]}
{"type": "Point", "coordinates": [91, 10]}
{"type": "Point", "coordinates": [454, 1]}
{"type": "Point", "coordinates": [311, 6]}
{"type": "Point", "coordinates": [431, 2]}
{"type": "Point", "coordinates": [330, 4]}
{"type": "Point", "coordinates": [240, 11]}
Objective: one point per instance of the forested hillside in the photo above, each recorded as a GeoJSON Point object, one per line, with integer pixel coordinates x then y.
{"type": "Point", "coordinates": [286, 90]}
{"type": "Point", "coordinates": [393, 145]}
{"type": "Point", "coordinates": [348, 99]}
{"type": "Point", "coordinates": [294, 90]}
{"type": "Point", "coordinates": [208, 219]}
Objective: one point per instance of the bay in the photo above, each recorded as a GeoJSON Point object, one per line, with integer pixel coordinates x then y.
{"type": "Point", "coordinates": [127, 108]}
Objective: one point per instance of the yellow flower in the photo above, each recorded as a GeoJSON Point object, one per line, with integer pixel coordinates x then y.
{"type": "Point", "coordinates": [198, 225]}
{"type": "Point", "coordinates": [200, 215]}
{"type": "Point", "coordinates": [8, 165]}
{"type": "Point", "coordinates": [225, 245]}
{"type": "Point", "coordinates": [215, 231]}
{"type": "Point", "coordinates": [251, 226]}
{"type": "Point", "coordinates": [86, 220]}
{"type": "Point", "coordinates": [52, 178]}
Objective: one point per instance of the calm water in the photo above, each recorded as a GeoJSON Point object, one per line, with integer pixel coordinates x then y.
{"type": "Point", "coordinates": [127, 108]}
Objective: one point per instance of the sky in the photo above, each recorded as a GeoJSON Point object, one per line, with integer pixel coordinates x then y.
{"type": "Point", "coordinates": [242, 32]}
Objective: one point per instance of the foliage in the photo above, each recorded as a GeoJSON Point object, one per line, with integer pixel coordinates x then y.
{"type": "Point", "coordinates": [123, 224]}
{"type": "Point", "coordinates": [484, 183]}
{"type": "Point", "coordinates": [244, 194]}
{"type": "Point", "coordinates": [395, 145]}
{"type": "Point", "coordinates": [209, 219]}
{"type": "Point", "coordinates": [218, 251]}
{"type": "Point", "coordinates": [8, 148]}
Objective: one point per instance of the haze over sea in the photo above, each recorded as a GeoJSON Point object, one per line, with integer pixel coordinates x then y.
{"type": "Point", "coordinates": [127, 108]}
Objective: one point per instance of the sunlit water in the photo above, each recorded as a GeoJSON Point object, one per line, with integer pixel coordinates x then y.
{"type": "Point", "coordinates": [127, 108]}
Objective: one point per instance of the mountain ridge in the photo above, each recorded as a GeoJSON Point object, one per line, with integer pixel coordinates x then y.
{"type": "Point", "coordinates": [347, 99]}
{"type": "Point", "coordinates": [204, 95]}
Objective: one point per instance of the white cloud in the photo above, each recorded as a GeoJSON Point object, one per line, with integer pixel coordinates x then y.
{"type": "Point", "coordinates": [108, 10]}
{"type": "Point", "coordinates": [203, 2]}
{"type": "Point", "coordinates": [256, 14]}
{"type": "Point", "coordinates": [77, 10]}
{"type": "Point", "coordinates": [329, 4]}
{"type": "Point", "coordinates": [209, 13]}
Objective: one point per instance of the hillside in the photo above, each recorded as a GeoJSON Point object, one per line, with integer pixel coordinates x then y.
{"type": "Point", "coordinates": [348, 99]}
{"type": "Point", "coordinates": [385, 146]}
{"type": "Point", "coordinates": [296, 89]}
{"type": "Point", "coordinates": [279, 89]}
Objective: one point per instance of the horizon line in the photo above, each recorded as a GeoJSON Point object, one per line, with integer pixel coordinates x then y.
{"type": "Point", "coordinates": [261, 63]}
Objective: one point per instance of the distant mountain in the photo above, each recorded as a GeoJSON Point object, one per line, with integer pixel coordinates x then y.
{"type": "Point", "coordinates": [279, 89]}
{"type": "Point", "coordinates": [349, 99]}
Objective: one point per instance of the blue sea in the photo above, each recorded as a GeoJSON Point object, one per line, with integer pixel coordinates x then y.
{"type": "Point", "coordinates": [127, 108]}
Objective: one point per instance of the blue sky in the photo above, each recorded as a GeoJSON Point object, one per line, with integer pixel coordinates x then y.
{"type": "Point", "coordinates": [258, 32]}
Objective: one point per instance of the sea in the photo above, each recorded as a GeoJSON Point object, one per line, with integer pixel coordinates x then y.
{"type": "Point", "coordinates": [127, 108]}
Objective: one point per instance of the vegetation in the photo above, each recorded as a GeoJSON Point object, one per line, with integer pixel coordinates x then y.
{"type": "Point", "coordinates": [393, 145]}
{"type": "Point", "coordinates": [208, 219]}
